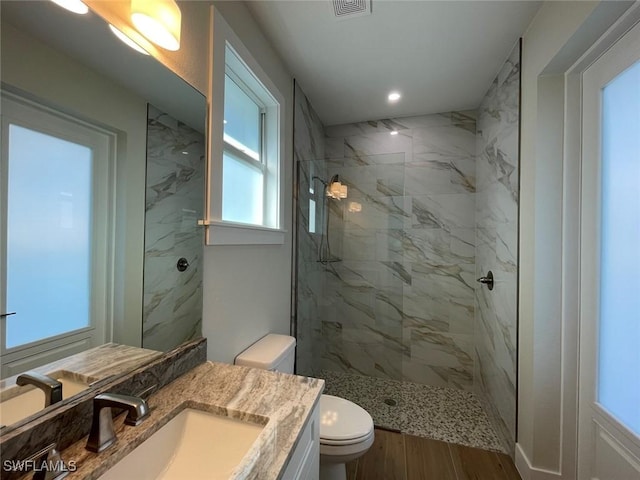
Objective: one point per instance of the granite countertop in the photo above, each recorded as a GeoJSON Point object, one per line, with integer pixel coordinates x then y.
{"type": "Point", "coordinates": [90, 366]}
{"type": "Point", "coordinates": [280, 402]}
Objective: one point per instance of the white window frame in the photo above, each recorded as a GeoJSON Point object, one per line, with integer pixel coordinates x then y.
{"type": "Point", "coordinates": [220, 231]}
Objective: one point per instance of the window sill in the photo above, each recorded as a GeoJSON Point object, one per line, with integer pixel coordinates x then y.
{"type": "Point", "coordinates": [227, 233]}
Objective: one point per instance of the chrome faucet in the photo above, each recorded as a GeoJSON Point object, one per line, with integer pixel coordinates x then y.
{"type": "Point", "coordinates": [102, 434]}
{"type": "Point", "coordinates": [51, 387]}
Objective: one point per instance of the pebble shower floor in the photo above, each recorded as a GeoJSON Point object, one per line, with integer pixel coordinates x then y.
{"type": "Point", "coordinates": [446, 414]}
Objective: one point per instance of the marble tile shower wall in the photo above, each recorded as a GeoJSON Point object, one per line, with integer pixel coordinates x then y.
{"type": "Point", "coordinates": [497, 243]}
{"type": "Point", "coordinates": [400, 304]}
{"type": "Point", "coordinates": [309, 283]}
{"type": "Point", "coordinates": [172, 309]}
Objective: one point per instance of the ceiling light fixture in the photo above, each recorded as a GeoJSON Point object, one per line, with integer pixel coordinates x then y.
{"type": "Point", "coordinates": [126, 40]}
{"type": "Point", "coordinates": [75, 6]}
{"type": "Point", "coordinates": [159, 21]}
{"type": "Point", "coordinates": [394, 96]}
{"type": "Point", "coordinates": [394, 132]}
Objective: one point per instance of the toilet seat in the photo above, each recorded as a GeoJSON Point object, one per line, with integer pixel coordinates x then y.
{"type": "Point", "coordinates": [350, 441]}
{"type": "Point", "coordinates": [343, 422]}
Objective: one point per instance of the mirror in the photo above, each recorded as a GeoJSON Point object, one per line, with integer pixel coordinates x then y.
{"type": "Point", "coordinates": [121, 203]}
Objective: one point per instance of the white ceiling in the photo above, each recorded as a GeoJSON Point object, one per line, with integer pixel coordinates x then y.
{"type": "Point", "coordinates": [441, 55]}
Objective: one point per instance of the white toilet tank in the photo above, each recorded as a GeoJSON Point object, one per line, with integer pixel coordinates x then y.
{"type": "Point", "coordinates": [271, 352]}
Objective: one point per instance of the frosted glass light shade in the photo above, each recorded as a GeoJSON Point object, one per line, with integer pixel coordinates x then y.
{"type": "Point", "coordinates": [126, 40]}
{"type": "Point", "coordinates": [334, 190]}
{"type": "Point", "coordinates": [75, 6]}
{"type": "Point", "coordinates": [337, 190]}
{"type": "Point", "coordinates": [159, 21]}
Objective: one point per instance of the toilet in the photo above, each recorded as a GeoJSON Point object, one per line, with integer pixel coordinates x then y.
{"type": "Point", "coordinates": [346, 429]}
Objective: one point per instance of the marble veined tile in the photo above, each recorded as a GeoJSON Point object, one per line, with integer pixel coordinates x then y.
{"type": "Point", "coordinates": [467, 117]}
{"type": "Point", "coordinates": [497, 225]}
{"type": "Point", "coordinates": [437, 349]}
{"type": "Point", "coordinates": [357, 273]}
{"type": "Point", "coordinates": [450, 281]}
{"type": "Point", "coordinates": [437, 245]}
{"type": "Point", "coordinates": [333, 147]}
{"type": "Point", "coordinates": [308, 130]}
{"type": "Point", "coordinates": [378, 213]}
{"type": "Point", "coordinates": [446, 211]}
{"type": "Point", "coordinates": [429, 177]}
{"type": "Point", "coordinates": [442, 144]}
{"type": "Point", "coordinates": [172, 309]}
{"type": "Point", "coordinates": [365, 128]}
{"type": "Point", "coordinates": [507, 247]}
{"type": "Point", "coordinates": [358, 244]}
{"type": "Point", "coordinates": [371, 145]}
{"type": "Point", "coordinates": [372, 180]}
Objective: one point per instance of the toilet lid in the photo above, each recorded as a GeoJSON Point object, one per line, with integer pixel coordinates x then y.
{"type": "Point", "coordinates": [341, 419]}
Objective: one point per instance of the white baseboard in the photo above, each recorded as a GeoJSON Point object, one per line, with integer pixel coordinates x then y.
{"type": "Point", "coordinates": [528, 472]}
{"type": "Point", "coordinates": [522, 463]}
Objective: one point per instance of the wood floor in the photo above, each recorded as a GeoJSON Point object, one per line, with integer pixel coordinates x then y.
{"type": "Point", "coordinates": [397, 456]}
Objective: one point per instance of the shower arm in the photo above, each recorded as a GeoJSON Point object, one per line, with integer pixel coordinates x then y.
{"type": "Point", "coordinates": [335, 178]}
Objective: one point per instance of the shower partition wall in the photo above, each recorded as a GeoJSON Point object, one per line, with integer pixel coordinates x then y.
{"type": "Point", "coordinates": [172, 309]}
{"type": "Point", "coordinates": [361, 310]}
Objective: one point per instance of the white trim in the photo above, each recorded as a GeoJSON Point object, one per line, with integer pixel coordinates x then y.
{"type": "Point", "coordinates": [547, 447]}
{"type": "Point", "coordinates": [593, 418]}
{"type": "Point", "coordinates": [218, 230]}
{"type": "Point", "coordinates": [528, 472]}
{"type": "Point", "coordinates": [228, 233]}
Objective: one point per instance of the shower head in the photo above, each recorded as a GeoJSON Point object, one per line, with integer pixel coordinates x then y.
{"type": "Point", "coordinates": [333, 188]}
{"type": "Point", "coordinates": [336, 189]}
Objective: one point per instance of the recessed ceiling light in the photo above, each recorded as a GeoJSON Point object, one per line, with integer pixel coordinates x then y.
{"type": "Point", "coordinates": [75, 6]}
{"type": "Point", "coordinates": [394, 96]}
{"type": "Point", "coordinates": [185, 153]}
{"type": "Point", "coordinates": [395, 132]}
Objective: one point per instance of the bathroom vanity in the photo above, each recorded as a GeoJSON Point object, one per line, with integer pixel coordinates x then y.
{"type": "Point", "coordinates": [282, 408]}
{"type": "Point", "coordinates": [231, 421]}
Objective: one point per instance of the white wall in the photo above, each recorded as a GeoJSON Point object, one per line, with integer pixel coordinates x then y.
{"type": "Point", "coordinates": [247, 288]}
{"type": "Point", "coordinates": [53, 77]}
{"type": "Point", "coordinates": [547, 418]}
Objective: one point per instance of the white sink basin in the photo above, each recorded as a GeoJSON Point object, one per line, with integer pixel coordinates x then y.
{"type": "Point", "coordinates": [31, 400]}
{"type": "Point", "coordinates": [194, 445]}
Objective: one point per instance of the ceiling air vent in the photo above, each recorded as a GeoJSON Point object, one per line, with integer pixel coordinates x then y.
{"type": "Point", "coordinates": [351, 8]}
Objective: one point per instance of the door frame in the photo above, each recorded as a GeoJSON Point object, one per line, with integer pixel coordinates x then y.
{"type": "Point", "coordinates": [591, 217]}
{"type": "Point", "coordinates": [546, 448]}
{"type": "Point", "coordinates": [573, 205]}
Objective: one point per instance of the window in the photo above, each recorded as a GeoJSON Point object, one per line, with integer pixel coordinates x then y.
{"type": "Point", "coordinates": [245, 191]}
{"type": "Point", "coordinates": [244, 169]}
{"type": "Point", "coordinates": [251, 168]}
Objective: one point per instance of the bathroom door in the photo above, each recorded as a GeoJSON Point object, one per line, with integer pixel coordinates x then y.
{"type": "Point", "coordinates": [54, 235]}
{"type": "Point", "coordinates": [609, 399]}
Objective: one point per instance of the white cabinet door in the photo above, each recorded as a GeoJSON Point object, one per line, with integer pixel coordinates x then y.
{"type": "Point", "coordinates": [609, 403]}
{"type": "Point", "coordinates": [305, 459]}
